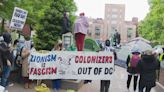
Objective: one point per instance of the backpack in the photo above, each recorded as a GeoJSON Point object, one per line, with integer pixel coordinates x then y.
{"type": "Point", "coordinates": [134, 60]}
{"type": "Point", "coordinates": [18, 58]}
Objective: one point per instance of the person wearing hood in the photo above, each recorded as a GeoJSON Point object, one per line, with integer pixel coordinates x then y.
{"type": "Point", "coordinates": [66, 23]}
{"type": "Point", "coordinates": [132, 62]}
{"type": "Point", "coordinates": [147, 67]}
{"type": "Point", "coordinates": [6, 58]}
{"type": "Point", "coordinates": [105, 84]}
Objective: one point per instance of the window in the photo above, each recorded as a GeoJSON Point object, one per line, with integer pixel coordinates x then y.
{"type": "Point", "coordinates": [114, 10]}
{"type": "Point", "coordinates": [129, 33]}
{"type": "Point", "coordinates": [108, 16]}
{"type": "Point", "coordinates": [113, 22]}
{"type": "Point", "coordinates": [89, 33]}
{"type": "Point", "coordinates": [114, 15]}
{"type": "Point", "coordinates": [97, 31]}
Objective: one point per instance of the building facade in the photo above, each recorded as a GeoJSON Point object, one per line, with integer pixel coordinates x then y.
{"type": "Point", "coordinates": [97, 29]}
{"type": "Point", "coordinates": [114, 19]}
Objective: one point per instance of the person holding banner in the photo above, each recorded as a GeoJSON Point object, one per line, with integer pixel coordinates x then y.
{"type": "Point", "coordinates": [105, 84]}
{"type": "Point", "coordinates": [80, 30]}
{"type": "Point", "coordinates": [25, 64]}
{"type": "Point", "coordinates": [56, 84]}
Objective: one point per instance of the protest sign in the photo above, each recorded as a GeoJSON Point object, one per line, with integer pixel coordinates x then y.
{"type": "Point", "coordinates": [18, 19]}
{"type": "Point", "coordinates": [71, 65]}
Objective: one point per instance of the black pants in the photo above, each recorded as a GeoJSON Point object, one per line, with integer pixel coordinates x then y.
{"type": "Point", "coordinates": [87, 81]}
{"type": "Point", "coordinates": [104, 85]}
{"type": "Point", "coordinates": [141, 88]}
{"type": "Point", "coordinates": [135, 81]}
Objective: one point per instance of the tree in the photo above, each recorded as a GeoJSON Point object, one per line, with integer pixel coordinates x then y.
{"type": "Point", "coordinates": [152, 28]}
{"type": "Point", "coordinates": [35, 9]}
{"type": "Point", "coordinates": [6, 9]}
{"type": "Point", "coordinates": [48, 31]}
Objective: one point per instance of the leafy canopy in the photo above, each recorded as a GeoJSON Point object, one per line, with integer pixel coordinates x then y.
{"type": "Point", "coordinates": [50, 26]}
{"type": "Point", "coordinates": [152, 27]}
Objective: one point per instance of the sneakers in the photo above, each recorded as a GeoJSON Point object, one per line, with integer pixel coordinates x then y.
{"type": "Point", "coordinates": [127, 90]}
{"type": "Point", "coordinates": [26, 85]}
{"type": "Point", "coordinates": [55, 90]}
{"type": "Point", "coordinates": [6, 91]}
{"type": "Point", "coordinates": [10, 85]}
{"type": "Point", "coordinates": [30, 85]}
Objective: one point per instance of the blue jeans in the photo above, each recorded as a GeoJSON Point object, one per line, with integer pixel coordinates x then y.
{"type": "Point", "coordinates": [5, 75]}
{"type": "Point", "coordinates": [56, 84]}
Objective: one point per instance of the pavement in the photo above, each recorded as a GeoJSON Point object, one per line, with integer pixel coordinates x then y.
{"type": "Point", "coordinates": [118, 84]}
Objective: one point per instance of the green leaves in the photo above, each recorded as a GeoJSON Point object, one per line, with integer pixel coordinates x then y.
{"type": "Point", "coordinates": [50, 26]}
{"type": "Point", "coordinates": [152, 27]}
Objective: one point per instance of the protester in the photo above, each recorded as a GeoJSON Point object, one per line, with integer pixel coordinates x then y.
{"type": "Point", "coordinates": [25, 64]}
{"type": "Point", "coordinates": [157, 53]}
{"type": "Point", "coordinates": [116, 38]}
{"type": "Point", "coordinates": [147, 67]}
{"type": "Point", "coordinates": [132, 61]}
{"type": "Point", "coordinates": [6, 57]}
{"type": "Point", "coordinates": [18, 46]}
{"type": "Point", "coordinates": [162, 55]}
{"type": "Point", "coordinates": [80, 30]}
{"type": "Point", "coordinates": [66, 23]}
{"type": "Point", "coordinates": [56, 84]}
{"type": "Point", "coordinates": [105, 84]}
{"type": "Point", "coordinates": [14, 54]}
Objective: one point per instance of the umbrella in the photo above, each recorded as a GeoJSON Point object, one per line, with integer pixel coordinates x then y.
{"type": "Point", "coordinates": [142, 45]}
{"type": "Point", "coordinates": [126, 49]}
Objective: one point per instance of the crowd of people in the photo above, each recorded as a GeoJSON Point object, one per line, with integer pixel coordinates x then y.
{"type": "Point", "coordinates": [141, 65]}
{"type": "Point", "coordinates": [14, 57]}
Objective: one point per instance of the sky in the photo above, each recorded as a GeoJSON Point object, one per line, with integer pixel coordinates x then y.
{"type": "Point", "coordinates": [96, 8]}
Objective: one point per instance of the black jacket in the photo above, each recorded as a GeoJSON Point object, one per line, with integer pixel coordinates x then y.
{"type": "Point", "coordinates": [147, 68]}
{"type": "Point", "coordinates": [66, 25]}
{"type": "Point", "coordinates": [5, 54]}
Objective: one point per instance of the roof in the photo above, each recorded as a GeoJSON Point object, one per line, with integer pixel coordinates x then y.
{"type": "Point", "coordinates": [141, 39]}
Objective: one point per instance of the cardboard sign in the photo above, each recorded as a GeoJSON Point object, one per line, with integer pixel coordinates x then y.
{"type": "Point", "coordinates": [18, 19]}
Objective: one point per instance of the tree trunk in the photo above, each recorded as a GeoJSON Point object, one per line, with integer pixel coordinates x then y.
{"type": "Point", "coordinates": [2, 26]}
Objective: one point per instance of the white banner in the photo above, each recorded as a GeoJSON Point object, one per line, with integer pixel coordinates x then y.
{"type": "Point", "coordinates": [71, 65]}
{"type": "Point", "coordinates": [18, 19]}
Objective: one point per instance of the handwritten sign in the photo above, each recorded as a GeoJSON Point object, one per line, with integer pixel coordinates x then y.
{"type": "Point", "coordinates": [18, 19]}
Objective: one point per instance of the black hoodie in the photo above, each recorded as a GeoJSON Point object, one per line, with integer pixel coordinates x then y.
{"type": "Point", "coordinates": [5, 54]}
{"type": "Point", "coordinates": [147, 68]}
